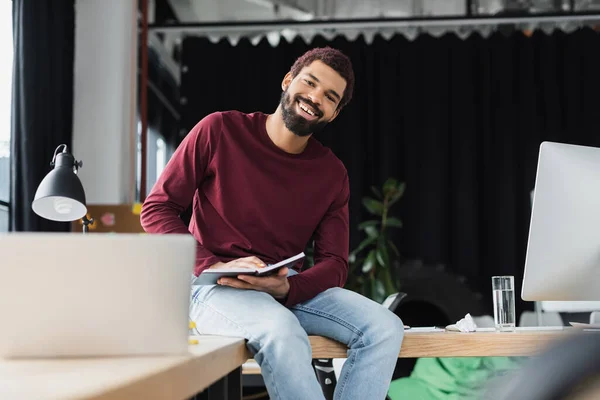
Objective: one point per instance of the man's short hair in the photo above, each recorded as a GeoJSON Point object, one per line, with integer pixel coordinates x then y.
{"type": "Point", "coordinates": [334, 59]}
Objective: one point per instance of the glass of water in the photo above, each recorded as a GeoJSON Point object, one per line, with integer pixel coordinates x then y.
{"type": "Point", "coordinates": [503, 290]}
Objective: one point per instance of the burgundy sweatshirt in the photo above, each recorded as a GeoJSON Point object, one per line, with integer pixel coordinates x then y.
{"type": "Point", "coordinates": [250, 198]}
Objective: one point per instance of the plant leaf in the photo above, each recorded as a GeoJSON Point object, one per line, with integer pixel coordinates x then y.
{"type": "Point", "coordinates": [382, 256]}
{"type": "Point", "coordinates": [372, 231]}
{"type": "Point", "coordinates": [388, 283]}
{"type": "Point", "coordinates": [390, 186]}
{"type": "Point", "coordinates": [368, 241]}
{"type": "Point", "coordinates": [394, 248]}
{"type": "Point", "coordinates": [376, 192]}
{"type": "Point", "coordinates": [369, 262]}
{"type": "Point", "coordinates": [370, 292]}
{"type": "Point", "coordinates": [402, 188]}
{"type": "Point", "coordinates": [371, 222]}
{"type": "Point", "coordinates": [378, 290]}
{"type": "Point", "coordinates": [394, 222]}
{"type": "Point", "coordinates": [373, 206]}
{"type": "Point", "coordinates": [397, 194]}
{"type": "Point", "coordinates": [380, 259]}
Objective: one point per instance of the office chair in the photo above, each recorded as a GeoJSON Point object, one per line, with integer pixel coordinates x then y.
{"type": "Point", "coordinates": [324, 367]}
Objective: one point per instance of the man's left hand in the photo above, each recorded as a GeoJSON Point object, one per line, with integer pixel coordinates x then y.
{"type": "Point", "coordinates": [276, 285]}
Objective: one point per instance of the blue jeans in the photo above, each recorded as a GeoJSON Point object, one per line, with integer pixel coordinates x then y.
{"type": "Point", "coordinates": [278, 338]}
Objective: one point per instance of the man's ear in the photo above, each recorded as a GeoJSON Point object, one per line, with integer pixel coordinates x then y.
{"type": "Point", "coordinates": [335, 114]}
{"type": "Point", "coordinates": [287, 80]}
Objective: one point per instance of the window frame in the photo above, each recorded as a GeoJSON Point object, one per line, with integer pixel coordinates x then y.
{"type": "Point", "coordinates": [7, 46]}
{"type": "Point", "coordinates": [4, 205]}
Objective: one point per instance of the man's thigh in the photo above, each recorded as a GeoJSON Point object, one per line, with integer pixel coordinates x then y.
{"type": "Point", "coordinates": [226, 311]}
{"type": "Point", "coordinates": [344, 315]}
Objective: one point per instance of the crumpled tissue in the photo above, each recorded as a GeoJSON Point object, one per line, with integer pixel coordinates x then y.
{"type": "Point", "coordinates": [466, 324]}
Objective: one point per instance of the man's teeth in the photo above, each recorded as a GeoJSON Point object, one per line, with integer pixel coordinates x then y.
{"type": "Point", "coordinates": [302, 106]}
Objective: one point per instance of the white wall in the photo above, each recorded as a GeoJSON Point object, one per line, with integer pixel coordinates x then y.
{"type": "Point", "coordinates": [104, 114]}
{"type": "Point", "coordinates": [156, 158]}
{"type": "Point", "coordinates": [151, 159]}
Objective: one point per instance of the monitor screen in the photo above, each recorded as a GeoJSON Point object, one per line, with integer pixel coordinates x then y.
{"type": "Point", "coordinates": [563, 250]}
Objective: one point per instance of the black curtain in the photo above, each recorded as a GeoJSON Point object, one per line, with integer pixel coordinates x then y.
{"type": "Point", "coordinates": [42, 103]}
{"type": "Point", "coordinates": [460, 121]}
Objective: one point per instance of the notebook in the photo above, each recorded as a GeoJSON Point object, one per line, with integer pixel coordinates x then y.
{"type": "Point", "coordinates": [211, 276]}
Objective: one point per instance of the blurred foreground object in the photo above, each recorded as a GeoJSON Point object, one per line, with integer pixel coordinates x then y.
{"type": "Point", "coordinates": [569, 370]}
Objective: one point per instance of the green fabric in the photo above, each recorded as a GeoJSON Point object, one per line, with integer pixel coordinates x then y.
{"type": "Point", "coordinates": [450, 378]}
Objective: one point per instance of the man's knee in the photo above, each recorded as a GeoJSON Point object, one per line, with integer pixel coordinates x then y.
{"type": "Point", "coordinates": [282, 343]}
{"type": "Point", "coordinates": [385, 328]}
{"type": "Point", "coordinates": [282, 331]}
{"type": "Point", "coordinates": [377, 323]}
{"type": "Point", "coordinates": [394, 327]}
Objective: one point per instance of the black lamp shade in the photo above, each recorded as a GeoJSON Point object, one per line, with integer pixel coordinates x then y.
{"type": "Point", "coordinates": [60, 195]}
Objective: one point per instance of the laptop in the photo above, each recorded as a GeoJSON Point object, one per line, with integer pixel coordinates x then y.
{"type": "Point", "coordinates": [82, 295]}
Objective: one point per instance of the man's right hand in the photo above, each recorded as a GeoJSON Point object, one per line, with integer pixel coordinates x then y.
{"type": "Point", "coordinates": [245, 262]}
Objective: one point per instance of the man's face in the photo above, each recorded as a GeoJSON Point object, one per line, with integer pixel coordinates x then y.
{"type": "Point", "coordinates": [310, 100]}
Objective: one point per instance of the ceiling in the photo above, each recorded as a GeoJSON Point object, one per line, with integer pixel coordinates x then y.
{"type": "Point", "coordinates": [195, 11]}
{"type": "Point", "coordinates": [236, 10]}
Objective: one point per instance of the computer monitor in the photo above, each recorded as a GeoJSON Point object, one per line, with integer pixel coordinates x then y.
{"type": "Point", "coordinates": [563, 250]}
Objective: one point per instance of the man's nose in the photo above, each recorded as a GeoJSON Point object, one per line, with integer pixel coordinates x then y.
{"type": "Point", "coordinates": [315, 97]}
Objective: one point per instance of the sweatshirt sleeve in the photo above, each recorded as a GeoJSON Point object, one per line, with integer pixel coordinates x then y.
{"type": "Point", "coordinates": [174, 191]}
{"type": "Point", "coordinates": [330, 254]}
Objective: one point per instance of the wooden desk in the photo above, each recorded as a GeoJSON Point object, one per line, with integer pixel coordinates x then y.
{"type": "Point", "coordinates": [522, 342]}
{"type": "Point", "coordinates": [213, 358]}
{"type": "Point", "coordinates": [456, 344]}
{"type": "Point", "coordinates": [169, 377]}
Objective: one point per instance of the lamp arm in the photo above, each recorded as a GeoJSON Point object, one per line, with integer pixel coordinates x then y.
{"type": "Point", "coordinates": [86, 222]}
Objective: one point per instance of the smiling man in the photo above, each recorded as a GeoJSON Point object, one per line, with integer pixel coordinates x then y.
{"type": "Point", "coordinates": [262, 186]}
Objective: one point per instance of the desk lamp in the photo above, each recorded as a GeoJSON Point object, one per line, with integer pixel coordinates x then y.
{"type": "Point", "coordinates": [60, 195]}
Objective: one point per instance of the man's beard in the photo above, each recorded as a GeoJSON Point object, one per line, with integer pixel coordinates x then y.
{"type": "Point", "coordinates": [297, 124]}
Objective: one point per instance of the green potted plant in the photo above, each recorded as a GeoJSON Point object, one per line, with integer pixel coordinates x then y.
{"type": "Point", "coordinates": [371, 262]}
